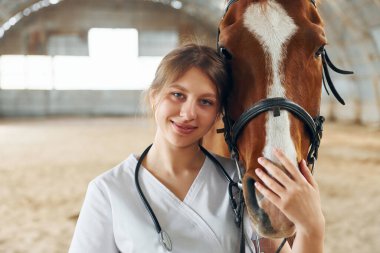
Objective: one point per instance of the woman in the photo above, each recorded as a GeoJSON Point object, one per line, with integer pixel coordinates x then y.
{"type": "Point", "coordinates": [174, 196]}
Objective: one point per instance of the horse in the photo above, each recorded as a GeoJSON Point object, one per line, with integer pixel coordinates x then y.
{"type": "Point", "coordinates": [276, 51]}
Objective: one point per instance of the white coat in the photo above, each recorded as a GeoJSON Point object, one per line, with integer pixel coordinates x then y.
{"type": "Point", "coordinates": [113, 217]}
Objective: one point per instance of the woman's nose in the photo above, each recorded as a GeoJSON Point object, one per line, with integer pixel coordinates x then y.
{"type": "Point", "coordinates": [188, 110]}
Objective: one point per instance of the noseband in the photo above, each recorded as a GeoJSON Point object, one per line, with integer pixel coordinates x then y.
{"type": "Point", "coordinates": [232, 129]}
{"type": "Point", "coordinates": [315, 126]}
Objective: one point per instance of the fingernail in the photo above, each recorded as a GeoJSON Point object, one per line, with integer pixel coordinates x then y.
{"type": "Point", "coordinates": [258, 171]}
{"type": "Point", "coordinates": [304, 162]}
{"type": "Point", "coordinates": [260, 160]}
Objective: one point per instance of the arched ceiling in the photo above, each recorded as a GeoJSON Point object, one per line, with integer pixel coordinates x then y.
{"type": "Point", "coordinates": [360, 14]}
{"type": "Point", "coordinates": [12, 10]}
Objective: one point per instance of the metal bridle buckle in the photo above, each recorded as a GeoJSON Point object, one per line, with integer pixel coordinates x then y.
{"type": "Point", "coordinates": [236, 203]}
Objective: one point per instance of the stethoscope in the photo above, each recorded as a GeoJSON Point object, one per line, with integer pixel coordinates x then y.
{"type": "Point", "coordinates": [234, 191]}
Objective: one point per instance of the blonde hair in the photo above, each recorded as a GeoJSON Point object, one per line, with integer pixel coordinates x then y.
{"type": "Point", "coordinates": [180, 60]}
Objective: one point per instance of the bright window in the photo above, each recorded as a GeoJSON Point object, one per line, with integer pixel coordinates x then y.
{"type": "Point", "coordinates": [113, 43]}
{"type": "Point", "coordinates": [113, 63]}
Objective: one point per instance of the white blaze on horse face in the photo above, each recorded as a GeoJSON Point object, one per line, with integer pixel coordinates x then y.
{"type": "Point", "coordinates": [273, 28]}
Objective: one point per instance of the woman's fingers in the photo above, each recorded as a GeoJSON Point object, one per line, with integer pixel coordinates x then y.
{"type": "Point", "coordinates": [278, 181]}
{"type": "Point", "coordinates": [286, 176]}
{"type": "Point", "coordinates": [270, 182]}
{"type": "Point", "coordinates": [307, 174]}
{"type": "Point", "coordinates": [274, 171]}
{"type": "Point", "coordinates": [268, 194]}
{"type": "Point", "coordinates": [289, 166]}
{"type": "Point", "coordinates": [293, 190]}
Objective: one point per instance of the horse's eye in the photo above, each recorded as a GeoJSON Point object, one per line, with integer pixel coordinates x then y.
{"type": "Point", "coordinates": [319, 51]}
{"type": "Point", "coordinates": [225, 53]}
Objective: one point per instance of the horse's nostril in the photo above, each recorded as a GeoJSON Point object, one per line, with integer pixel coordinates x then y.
{"type": "Point", "coordinates": [252, 203]}
{"type": "Point", "coordinates": [251, 194]}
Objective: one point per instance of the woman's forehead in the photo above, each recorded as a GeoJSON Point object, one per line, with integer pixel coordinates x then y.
{"type": "Point", "coordinates": [195, 80]}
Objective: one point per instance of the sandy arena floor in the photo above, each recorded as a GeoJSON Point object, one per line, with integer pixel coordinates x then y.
{"type": "Point", "coordinates": [46, 164]}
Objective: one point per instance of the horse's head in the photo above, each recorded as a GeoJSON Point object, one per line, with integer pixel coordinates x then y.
{"type": "Point", "coordinates": [275, 49]}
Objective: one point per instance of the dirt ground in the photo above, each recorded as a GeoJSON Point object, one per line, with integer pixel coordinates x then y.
{"type": "Point", "coordinates": [46, 164]}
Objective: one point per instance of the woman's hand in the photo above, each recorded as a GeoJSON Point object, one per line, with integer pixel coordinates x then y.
{"type": "Point", "coordinates": [295, 193]}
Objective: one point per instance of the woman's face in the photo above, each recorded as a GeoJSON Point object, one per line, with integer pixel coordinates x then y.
{"type": "Point", "coordinates": [186, 109]}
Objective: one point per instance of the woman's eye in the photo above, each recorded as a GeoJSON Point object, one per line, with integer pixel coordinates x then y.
{"type": "Point", "coordinates": [177, 95]}
{"type": "Point", "coordinates": [206, 102]}
{"type": "Point", "coordinates": [319, 51]}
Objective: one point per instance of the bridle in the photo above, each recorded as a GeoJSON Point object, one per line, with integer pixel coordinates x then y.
{"type": "Point", "coordinates": [232, 129]}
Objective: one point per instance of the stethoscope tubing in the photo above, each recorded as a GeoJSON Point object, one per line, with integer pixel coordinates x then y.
{"type": "Point", "coordinates": [163, 236]}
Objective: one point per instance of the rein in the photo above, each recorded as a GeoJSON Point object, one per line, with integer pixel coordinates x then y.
{"type": "Point", "coordinates": [232, 129]}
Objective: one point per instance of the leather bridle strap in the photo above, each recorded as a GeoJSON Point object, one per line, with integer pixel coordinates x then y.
{"type": "Point", "coordinates": [276, 104]}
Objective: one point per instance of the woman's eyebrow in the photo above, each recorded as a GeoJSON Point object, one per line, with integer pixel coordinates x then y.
{"type": "Point", "coordinates": [177, 86]}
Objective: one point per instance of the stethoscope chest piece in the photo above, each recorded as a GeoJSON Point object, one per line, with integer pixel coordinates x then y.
{"type": "Point", "coordinates": [165, 240]}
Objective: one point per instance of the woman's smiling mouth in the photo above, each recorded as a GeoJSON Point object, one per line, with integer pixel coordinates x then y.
{"type": "Point", "coordinates": [183, 128]}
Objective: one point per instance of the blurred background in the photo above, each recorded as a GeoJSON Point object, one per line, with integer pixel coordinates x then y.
{"type": "Point", "coordinates": [71, 77]}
